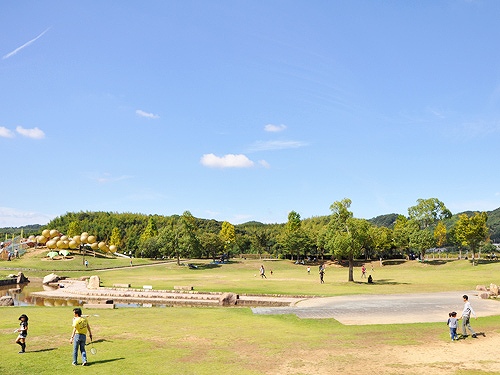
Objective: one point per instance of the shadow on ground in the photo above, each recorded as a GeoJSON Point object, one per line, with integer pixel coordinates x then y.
{"type": "Point", "coordinates": [97, 341]}
{"type": "Point", "coordinates": [104, 361]}
{"type": "Point", "coordinates": [42, 350]}
{"type": "Point", "coordinates": [385, 282]}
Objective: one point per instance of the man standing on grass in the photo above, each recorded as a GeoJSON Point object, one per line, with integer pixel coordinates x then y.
{"type": "Point", "coordinates": [78, 336]}
{"type": "Point", "coordinates": [466, 313]}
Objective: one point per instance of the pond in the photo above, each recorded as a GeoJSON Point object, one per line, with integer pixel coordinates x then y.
{"type": "Point", "coordinates": [22, 297]}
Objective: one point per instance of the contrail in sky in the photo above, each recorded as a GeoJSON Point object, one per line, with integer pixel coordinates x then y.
{"type": "Point", "coordinates": [24, 45]}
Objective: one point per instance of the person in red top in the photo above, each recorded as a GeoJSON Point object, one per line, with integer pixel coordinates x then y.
{"type": "Point", "coordinates": [363, 271]}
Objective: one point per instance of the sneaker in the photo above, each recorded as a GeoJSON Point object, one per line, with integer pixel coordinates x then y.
{"type": "Point", "coordinates": [21, 352]}
{"type": "Point", "coordinates": [84, 364]}
{"type": "Point", "coordinates": [74, 364]}
{"type": "Point", "coordinates": [474, 336]}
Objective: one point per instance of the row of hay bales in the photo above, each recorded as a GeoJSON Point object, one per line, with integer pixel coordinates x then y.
{"type": "Point", "coordinates": [53, 239]}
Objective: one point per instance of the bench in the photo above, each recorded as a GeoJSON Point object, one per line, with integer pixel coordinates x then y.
{"type": "Point", "coordinates": [121, 285]}
{"type": "Point", "coordinates": [183, 287]}
{"type": "Point", "coordinates": [147, 287]}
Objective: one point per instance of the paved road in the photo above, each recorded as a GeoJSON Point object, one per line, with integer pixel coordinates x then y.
{"type": "Point", "coordinates": [387, 309]}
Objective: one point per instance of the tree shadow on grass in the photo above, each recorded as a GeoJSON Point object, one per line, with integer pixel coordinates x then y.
{"type": "Point", "coordinates": [479, 262]}
{"type": "Point", "coordinates": [383, 282]}
{"type": "Point", "coordinates": [203, 266]}
{"type": "Point", "coordinates": [439, 262]}
{"type": "Point", "coordinates": [213, 264]}
{"type": "Point", "coordinates": [436, 262]}
{"type": "Point", "coordinates": [393, 262]}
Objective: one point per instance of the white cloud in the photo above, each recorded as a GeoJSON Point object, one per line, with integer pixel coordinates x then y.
{"type": "Point", "coordinates": [274, 128]}
{"type": "Point", "coordinates": [6, 133]}
{"type": "Point", "coordinates": [241, 218]}
{"type": "Point", "coordinates": [226, 161]}
{"type": "Point", "coordinates": [212, 213]}
{"type": "Point", "coordinates": [24, 45]}
{"type": "Point", "coordinates": [11, 217]}
{"type": "Point", "coordinates": [34, 133]}
{"type": "Point", "coordinates": [276, 145]}
{"type": "Point", "coordinates": [265, 164]}
{"type": "Point", "coordinates": [142, 113]}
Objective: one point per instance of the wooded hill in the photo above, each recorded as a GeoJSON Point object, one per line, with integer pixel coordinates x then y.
{"type": "Point", "coordinates": [250, 237]}
{"type": "Point", "coordinates": [493, 222]}
{"type": "Point", "coordinates": [27, 230]}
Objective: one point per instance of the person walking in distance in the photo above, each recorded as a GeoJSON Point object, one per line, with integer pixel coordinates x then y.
{"type": "Point", "coordinates": [321, 274]}
{"type": "Point", "coordinates": [466, 313]}
{"type": "Point", "coordinates": [363, 271]}
{"type": "Point", "coordinates": [262, 272]}
{"type": "Point", "coordinates": [79, 335]}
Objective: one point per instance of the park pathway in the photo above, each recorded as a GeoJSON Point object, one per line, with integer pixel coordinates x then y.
{"type": "Point", "coordinates": [386, 309]}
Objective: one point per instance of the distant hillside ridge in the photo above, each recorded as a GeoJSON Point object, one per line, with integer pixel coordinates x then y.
{"type": "Point", "coordinates": [26, 229]}
{"type": "Point", "coordinates": [386, 220]}
{"type": "Point", "coordinates": [493, 222]}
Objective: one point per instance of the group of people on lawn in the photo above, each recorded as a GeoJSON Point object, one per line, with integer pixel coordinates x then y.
{"type": "Point", "coordinates": [78, 338]}
{"type": "Point", "coordinates": [81, 327]}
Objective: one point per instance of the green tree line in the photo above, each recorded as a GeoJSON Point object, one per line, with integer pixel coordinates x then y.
{"type": "Point", "coordinates": [429, 224]}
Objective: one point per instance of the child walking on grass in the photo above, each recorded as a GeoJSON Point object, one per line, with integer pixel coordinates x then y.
{"type": "Point", "coordinates": [453, 324]}
{"type": "Point", "coordinates": [23, 332]}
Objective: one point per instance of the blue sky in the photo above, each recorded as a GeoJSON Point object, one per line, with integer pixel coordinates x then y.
{"type": "Point", "coordinates": [246, 110]}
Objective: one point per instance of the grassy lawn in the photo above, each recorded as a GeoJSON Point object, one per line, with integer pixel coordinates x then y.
{"type": "Point", "coordinates": [290, 279]}
{"type": "Point", "coordinates": [201, 341]}
{"type": "Point", "coordinates": [242, 276]}
{"type": "Point", "coordinates": [234, 340]}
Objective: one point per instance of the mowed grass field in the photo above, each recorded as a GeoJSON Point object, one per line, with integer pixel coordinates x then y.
{"type": "Point", "coordinates": [234, 340]}
{"type": "Point", "coordinates": [242, 275]}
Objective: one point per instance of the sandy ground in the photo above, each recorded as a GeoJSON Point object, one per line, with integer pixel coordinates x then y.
{"type": "Point", "coordinates": [437, 357]}
{"type": "Point", "coordinates": [463, 356]}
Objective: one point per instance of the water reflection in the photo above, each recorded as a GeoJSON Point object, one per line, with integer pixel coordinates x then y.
{"type": "Point", "coordinates": [22, 295]}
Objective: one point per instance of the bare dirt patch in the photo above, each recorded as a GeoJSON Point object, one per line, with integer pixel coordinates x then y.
{"type": "Point", "coordinates": [436, 357]}
{"type": "Point", "coordinates": [37, 252]}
